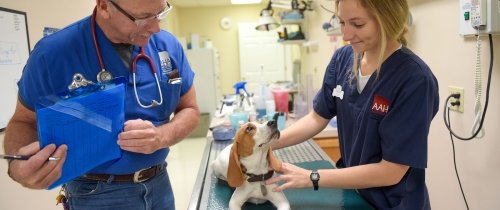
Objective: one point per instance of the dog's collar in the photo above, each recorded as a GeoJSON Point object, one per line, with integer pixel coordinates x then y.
{"type": "Point", "coordinates": [259, 177]}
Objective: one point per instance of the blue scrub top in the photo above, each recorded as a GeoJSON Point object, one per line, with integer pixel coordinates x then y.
{"type": "Point", "coordinates": [388, 120]}
{"type": "Point", "coordinates": [57, 57]}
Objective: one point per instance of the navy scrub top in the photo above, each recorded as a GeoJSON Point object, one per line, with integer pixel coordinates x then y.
{"type": "Point", "coordinates": [57, 57]}
{"type": "Point", "coordinates": [388, 120]}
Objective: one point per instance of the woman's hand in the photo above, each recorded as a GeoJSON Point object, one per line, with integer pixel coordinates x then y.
{"type": "Point", "coordinates": [291, 176]}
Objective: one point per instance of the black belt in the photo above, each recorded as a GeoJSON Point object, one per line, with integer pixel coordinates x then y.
{"type": "Point", "coordinates": [137, 177]}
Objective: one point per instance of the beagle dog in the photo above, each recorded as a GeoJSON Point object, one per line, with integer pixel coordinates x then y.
{"type": "Point", "coordinates": [247, 163]}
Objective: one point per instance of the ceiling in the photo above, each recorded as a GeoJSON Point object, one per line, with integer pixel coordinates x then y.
{"type": "Point", "coordinates": [201, 3]}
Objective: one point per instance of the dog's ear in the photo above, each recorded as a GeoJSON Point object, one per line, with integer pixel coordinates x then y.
{"type": "Point", "coordinates": [274, 162]}
{"type": "Point", "coordinates": [245, 141]}
{"type": "Point", "coordinates": [242, 147]}
{"type": "Point", "coordinates": [234, 173]}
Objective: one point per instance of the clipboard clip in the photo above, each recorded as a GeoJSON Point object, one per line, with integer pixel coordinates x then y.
{"type": "Point", "coordinates": [79, 81]}
{"type": "Point", "coordinates": [80, 86]}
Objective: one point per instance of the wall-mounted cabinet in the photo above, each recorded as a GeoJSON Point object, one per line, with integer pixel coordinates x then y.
{"type": "Point", "coordinates": [291, 22]}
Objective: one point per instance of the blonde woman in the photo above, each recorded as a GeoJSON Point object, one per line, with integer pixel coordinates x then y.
{"type": "Point", "coordinates": [384, 97]}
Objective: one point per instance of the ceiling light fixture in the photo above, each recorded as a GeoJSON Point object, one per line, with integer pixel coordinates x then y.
{"type": "Point", "coordinates": [266, 21]}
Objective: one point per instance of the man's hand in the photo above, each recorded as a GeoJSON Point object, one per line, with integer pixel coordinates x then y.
{"type": "Point", "coordinates": [38, 172]}
{"type": "Point", "coordinates": [140, 136]}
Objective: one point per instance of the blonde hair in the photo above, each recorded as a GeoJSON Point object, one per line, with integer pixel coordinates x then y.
{"type": "Point", "coordinates": [392, 17]}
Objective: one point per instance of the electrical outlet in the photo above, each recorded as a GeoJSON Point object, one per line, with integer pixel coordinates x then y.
{"type": "Point", "coordinates": [460, 90]}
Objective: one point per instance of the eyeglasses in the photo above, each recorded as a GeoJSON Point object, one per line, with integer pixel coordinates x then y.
{"type": "Point", "coordinates": [146, 20]}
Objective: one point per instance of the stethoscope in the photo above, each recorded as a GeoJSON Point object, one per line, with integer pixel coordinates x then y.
{"type": "Point", "coordinates": [104, 75]}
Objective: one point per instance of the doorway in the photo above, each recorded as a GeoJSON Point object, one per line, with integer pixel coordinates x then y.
{"type": "Point", "coordinates": [262, 58]}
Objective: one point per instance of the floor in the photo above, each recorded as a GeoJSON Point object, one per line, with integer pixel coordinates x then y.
{"type": "Point", "coordinates": [183, 165]}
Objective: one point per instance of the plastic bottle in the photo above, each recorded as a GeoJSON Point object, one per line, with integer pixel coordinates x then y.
{"type": "Point", "coordinates": [260, 106]}
{"type": "Point", "coordinates": [281, 120]}
{"type": "Point", "coordinates": [261, 95]}
{"type": "Point", "coordinates": [281, 99]}
{"type": "Point", "coordinates": [270, 109]}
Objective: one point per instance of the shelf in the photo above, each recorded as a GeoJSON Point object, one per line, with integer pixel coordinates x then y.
{"type": "Point", "coordinates": [334, 32]}
{"type": "Point", "coordinates": [291, 21]}
{"type": "Point", "coordinates": [300, 41]}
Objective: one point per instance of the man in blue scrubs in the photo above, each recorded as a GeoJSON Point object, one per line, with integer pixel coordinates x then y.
{"type": "Point", "coordinates": [384, 97]}
{"type": "Point", "coordinates": [107, 42]}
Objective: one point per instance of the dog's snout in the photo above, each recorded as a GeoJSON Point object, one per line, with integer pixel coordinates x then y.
{"type": "Point", "coordinates": [276, 115]}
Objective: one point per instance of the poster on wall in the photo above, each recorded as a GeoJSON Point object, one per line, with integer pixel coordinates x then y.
{"type": "Point", "coordinates": [49, 30]}
{"type": "Point", "coordinates": [14, 52]}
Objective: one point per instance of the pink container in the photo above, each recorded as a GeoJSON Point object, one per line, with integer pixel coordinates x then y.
{"type": "Point", "coordinates": [281, 100]}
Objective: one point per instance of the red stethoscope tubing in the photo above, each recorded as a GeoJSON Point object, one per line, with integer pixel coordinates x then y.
{"type": "Point", "coordinates": [143, 55]}
{"type": "Point", "coordinates": [140, 55]}
{"type": "Point", "coordinates": [96, 45]}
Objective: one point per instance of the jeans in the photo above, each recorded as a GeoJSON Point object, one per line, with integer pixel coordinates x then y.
{"type": "Point", "coordinates": [153, 194]}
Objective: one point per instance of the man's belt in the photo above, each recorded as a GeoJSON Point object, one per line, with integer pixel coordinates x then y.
{"type": "Point", "coordinates": [137, 177]}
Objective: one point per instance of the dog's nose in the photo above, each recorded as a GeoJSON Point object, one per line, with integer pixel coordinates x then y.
{"type": "Point", "coordinates": [272, 123]}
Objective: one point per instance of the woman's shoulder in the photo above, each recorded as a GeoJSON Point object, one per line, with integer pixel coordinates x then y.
{"type": "Point", "coordinates": [412, 59]}
{"type": "Point", "coordinates": [344, 51]}
{"type": "Point", "coordinates": [414, 66]}
{"type": "Point", "coordinates": [342, 55]}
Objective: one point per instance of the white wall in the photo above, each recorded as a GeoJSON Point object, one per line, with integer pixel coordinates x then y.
{"type": "Point", "coordinates": [452, 58]}
{"type": "Point", "coordinates": [49, 13]}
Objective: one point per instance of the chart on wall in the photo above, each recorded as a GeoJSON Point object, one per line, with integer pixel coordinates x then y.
{"type": "Point", "coordinates": [14, 51]}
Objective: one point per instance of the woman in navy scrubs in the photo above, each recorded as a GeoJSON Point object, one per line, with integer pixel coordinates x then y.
{"type": "Point", "coordinates": [384, 97]}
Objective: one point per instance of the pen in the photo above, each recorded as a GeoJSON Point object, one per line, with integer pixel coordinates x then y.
{"type": "Point", "coordinates": [23, 157]}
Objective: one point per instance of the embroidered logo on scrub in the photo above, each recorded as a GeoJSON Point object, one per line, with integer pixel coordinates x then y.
{"type": "Point", "coordinates": [166, 63]}
{"type": "Point", "coordinates": [337, 92]}
{"type": "Point", "coordinates": [380, 105]}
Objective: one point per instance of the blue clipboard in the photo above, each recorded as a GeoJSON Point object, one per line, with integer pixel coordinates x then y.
{"type": "Point", "coordinates": [88, 123]}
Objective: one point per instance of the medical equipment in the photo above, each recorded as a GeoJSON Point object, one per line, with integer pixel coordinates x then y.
{"type": "Point", "coordinates": [479, 17]}
{"type": "Point", "coordinates": [134, 69]}
{"type": "Point", "coordinates": [227, 102]}
{"type": "Point", "coordinates": [104, 75]}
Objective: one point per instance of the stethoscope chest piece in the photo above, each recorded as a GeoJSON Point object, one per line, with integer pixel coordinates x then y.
{"type": "Point", "coordinates": [104, 76]}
